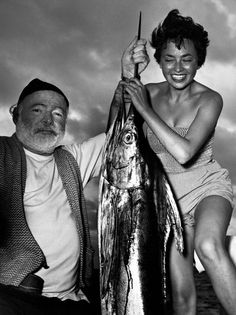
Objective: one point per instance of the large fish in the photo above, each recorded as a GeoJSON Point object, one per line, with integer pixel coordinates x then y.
{"type": "Point", "coordinates": [136, 214]}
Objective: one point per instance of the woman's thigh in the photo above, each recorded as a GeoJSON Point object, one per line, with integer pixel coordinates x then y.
{"type": "Point", "coordinates": [212, 217]}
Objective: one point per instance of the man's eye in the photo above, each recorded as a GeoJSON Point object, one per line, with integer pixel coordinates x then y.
{"type": "Point", "coordinates": [36, 110]}
{"type": "Point", "coordinates": [58, 115]}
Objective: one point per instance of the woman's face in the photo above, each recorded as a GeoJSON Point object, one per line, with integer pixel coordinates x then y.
{"type": "Point", "coordinates": [179, 66]}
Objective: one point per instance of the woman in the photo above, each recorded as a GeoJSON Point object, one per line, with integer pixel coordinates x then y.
{"type": "Point", "coordinates": [180, 117]}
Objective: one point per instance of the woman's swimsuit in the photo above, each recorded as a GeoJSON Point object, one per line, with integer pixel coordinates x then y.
{"type": "Point", "coordinates": [200, 177]}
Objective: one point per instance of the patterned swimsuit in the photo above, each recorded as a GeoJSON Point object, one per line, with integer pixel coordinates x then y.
{"type": "Point", "coordinates": [197, 179]}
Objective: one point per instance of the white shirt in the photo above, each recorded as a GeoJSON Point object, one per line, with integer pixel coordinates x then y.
{"type": "Point", "coordinates": [49, 215]}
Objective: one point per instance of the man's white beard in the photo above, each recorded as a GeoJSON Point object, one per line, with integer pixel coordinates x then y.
{"type": "Point", "coordinates": [42, 143]}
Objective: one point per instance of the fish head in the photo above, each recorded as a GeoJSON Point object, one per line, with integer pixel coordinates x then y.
{"type": "Point", "coordinates": [126, 148]}
{"type": "Point", "coordinates": [125, 164]}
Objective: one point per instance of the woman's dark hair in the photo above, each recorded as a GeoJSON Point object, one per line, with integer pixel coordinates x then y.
{"type": "Point", "coordinates": [177, 28]}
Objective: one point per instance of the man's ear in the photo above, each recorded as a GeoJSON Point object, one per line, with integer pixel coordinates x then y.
{"type": "Point", "coordinates": [15, 115]}
{"type": "Point", "coordinates": [14, 111]}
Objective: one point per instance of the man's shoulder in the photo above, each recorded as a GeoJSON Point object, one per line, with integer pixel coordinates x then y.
{"type": "Point", "coordinates": [96, 140]}
{"type": "Point", "coordinates": [89, 144]}
{"type": "Point", "coordinates": [5, 138]}
{"type": "Point", "coordinates": [6, 141]}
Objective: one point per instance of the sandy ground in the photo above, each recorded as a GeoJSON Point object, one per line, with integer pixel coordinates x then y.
{"type": "Point", "coordinates": [208, 303]}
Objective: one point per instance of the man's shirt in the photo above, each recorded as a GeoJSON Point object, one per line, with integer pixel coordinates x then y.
{"type": "Point", "coordinates": [50, 218]}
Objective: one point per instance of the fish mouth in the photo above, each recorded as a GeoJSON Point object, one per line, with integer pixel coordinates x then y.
{"type": "Point", "coordinates": [119, 165]}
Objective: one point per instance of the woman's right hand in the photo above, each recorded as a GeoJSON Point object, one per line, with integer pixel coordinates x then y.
{"type": "Point", "coordinates": [135, 53]}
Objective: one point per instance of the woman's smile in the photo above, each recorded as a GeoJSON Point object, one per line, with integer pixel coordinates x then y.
{"type": "Point", "coordinates": [179, 65]}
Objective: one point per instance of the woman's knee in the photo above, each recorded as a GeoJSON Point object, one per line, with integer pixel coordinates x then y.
{"type": "Point", "coordinates": [208, 248]}
{"type": "Point", "coordinates": [184, 298]}
{"type": "Point", "coordinates": [183, 288]}
{"type": "Point", "coordinates": [184, 295]}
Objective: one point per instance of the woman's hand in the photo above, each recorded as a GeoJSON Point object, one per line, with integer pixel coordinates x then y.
{"type": "Point", "coordinates": [138, 94]}
{"type": "Point", "coordinates": [120, 96]}
{"type": "Point", "coordinates": [135, 53]}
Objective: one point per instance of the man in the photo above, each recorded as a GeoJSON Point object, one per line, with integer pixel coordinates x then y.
{"type": "Point", "coordinates": [45, 250]}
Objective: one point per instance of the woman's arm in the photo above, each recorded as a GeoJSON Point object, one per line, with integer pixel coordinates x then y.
{"type": "Point", "coordinates": [182, 148]}
{"type": "Point", "coordinates": [135, 53]}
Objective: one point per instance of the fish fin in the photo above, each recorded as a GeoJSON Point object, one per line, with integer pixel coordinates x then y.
{"type": "Point", "coordinates": [107, 237]}
{"type": "Point", "coordinates": [164, 262]}
{"type": "Point", "coordinates": [174, 217]}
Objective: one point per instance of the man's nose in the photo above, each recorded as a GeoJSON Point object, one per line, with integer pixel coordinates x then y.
{"type": "Point", "coordinates": [48, 119]}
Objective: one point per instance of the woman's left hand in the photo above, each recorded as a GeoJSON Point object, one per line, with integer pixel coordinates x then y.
{"type": "Point", "coordinates": [138, 94]}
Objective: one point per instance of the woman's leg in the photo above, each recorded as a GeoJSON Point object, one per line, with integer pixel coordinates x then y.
{"type": "Point", "coordinates": [212, 217]}
{"type": "Point", "coordinates": [181, 276]}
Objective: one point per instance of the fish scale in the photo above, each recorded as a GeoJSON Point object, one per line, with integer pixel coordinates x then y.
{"type": "Point", "coordinates": [136, 214]}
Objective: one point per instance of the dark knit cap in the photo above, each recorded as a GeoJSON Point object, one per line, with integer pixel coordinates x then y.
{"type": "Point", "coordinates": [38, 85]}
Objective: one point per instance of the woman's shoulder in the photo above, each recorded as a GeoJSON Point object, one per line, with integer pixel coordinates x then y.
{"type": "Point", "coordinates": [208, 95]}
{"type": "Point", "coordinates": [206, 92]}
{"type": "Point", "coordinates": [209, 102]}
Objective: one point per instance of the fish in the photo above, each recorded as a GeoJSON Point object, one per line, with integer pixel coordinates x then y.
{"type": "Point", "coordinates": [136, 215]}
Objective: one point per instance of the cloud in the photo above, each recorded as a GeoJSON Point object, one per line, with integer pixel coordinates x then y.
{"type": "Point", "coordinates": [77, 45]}
{"type": "Point", "coordinates": [230, 17]}
{"type": "Point", "coordinates": [7, 127]}
{"type": "Point", "coordinates": [222, 78]}
{"type": "Point", "coordinates": [221, 17]}
{"type": "Point", "coordinates": [92, 122]}
{"type": "Point", "coordinates": [225, 150]}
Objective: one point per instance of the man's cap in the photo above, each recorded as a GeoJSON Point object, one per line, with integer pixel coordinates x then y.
{"type": "Point", "coordinates": [39, 85]}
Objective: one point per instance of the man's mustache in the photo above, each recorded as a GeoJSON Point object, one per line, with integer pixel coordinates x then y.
{"type": "Point", "coordinates": [46, 130]}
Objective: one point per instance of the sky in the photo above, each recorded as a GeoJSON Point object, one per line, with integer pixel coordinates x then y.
{"type": "Point", "coordinates": [77, 45]}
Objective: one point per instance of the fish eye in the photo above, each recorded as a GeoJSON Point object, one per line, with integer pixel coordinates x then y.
{"type": "Point", "coordinates": [129, 137]}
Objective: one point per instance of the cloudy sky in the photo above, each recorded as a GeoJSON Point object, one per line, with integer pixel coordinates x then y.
{"type": "Point", "coordinates": [77, 45]}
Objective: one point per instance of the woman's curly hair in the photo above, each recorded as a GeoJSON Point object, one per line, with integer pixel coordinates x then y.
{"type": "Point", "coordinates": [177, 28]}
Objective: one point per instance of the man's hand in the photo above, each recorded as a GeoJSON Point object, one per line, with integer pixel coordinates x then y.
{"type": "Point", "coordinates": [135, 53]}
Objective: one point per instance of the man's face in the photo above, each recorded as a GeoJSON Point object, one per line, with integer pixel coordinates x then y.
{"type": "Point", "coordinates": [41, 122]}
